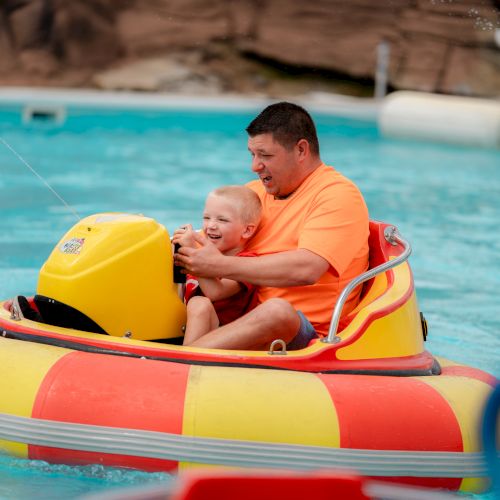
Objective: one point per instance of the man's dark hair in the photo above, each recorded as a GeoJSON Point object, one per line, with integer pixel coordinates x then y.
{"type": "Point", "coordinates": [288, 123]}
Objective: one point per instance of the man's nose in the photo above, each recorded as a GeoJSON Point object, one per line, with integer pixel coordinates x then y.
{"type": "Point", "coordinates": [256, 164]}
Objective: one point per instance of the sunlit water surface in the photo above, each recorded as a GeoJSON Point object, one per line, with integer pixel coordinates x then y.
{"type": "Point", "coordinates": [445, 200]}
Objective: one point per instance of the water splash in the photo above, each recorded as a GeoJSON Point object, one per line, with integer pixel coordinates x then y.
{"type": "Point", "coordinates": [481, 22]}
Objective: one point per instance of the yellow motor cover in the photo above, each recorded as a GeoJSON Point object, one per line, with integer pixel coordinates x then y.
{"type": "Point", "coordinates": [116, 268]}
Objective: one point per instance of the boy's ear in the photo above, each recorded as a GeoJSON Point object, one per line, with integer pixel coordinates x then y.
{"type": "Point", "coordinates": [248, 231]}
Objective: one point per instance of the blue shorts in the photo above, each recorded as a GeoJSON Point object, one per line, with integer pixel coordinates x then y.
{"type": "Point", "coordinates": [305, 334]}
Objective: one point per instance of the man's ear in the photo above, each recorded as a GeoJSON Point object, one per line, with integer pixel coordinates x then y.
{"type": "Point", "coordinates": [249, 231]}
{"type": "Point", "coordinates": [302, 148]}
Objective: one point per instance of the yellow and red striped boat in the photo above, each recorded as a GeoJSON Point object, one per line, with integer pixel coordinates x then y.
{"type": "Point", "coordinates": [370, 398]}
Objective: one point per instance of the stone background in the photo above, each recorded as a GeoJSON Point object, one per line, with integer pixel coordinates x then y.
{"type": "Point", "coordinates": [252, 46]}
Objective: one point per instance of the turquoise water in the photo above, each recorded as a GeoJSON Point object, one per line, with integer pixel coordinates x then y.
{"type": "Point", "coordinates": [34, 479]}
{"type": "Point", "coordinates": [445, 200]}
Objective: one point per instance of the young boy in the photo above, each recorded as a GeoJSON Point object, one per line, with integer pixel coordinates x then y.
{"type": "Point", "coordinates": [230, 218]}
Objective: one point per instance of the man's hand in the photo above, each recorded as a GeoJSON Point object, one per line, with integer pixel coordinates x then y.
{"type": "Point", "coordinates": [202, 259]}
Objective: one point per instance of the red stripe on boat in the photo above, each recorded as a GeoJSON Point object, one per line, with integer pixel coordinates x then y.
{"type": "Point", "coordinates": [469, 372]}
{"type": "Point", "coordinates": [111, 391]}
{"type": "Point", "coordinates": [395, 413]}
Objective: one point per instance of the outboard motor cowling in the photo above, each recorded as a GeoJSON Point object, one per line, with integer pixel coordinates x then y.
{"type": "Point", "coordinates": [116, 269]}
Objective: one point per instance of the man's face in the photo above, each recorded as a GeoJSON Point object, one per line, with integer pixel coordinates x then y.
{"type": "Point", "coordinates": [274, 164]}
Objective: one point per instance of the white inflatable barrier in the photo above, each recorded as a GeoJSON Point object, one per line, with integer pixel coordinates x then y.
{"type": "Point", "coordinates": [452, 119]}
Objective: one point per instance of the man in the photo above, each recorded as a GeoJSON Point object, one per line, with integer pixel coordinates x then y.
{"type": "Point", "coordinates": [313, 238]}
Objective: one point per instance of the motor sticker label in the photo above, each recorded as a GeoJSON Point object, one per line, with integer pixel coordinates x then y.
{"type": "Point", "coordinates": [72, 246]}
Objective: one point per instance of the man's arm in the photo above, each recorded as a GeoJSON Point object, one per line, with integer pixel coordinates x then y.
{"type": "Point", "coordinates": [290, 268]}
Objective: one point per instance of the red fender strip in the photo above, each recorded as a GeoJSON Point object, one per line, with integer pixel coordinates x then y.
{"type": "Point", "coordinates": [249, 485]}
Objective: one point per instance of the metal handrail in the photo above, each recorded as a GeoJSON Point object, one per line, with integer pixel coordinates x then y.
{"type": "Point", "coordinates": [394, 238]}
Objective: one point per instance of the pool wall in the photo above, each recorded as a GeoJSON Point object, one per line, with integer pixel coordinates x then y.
{"type": "Point", "coordinates": [402, 114]}
{"type": "Point", "coordinates": [38, 99]}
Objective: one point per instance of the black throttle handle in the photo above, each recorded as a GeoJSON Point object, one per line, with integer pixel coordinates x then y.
{"type": "Point", "coordinates": [178, 276]}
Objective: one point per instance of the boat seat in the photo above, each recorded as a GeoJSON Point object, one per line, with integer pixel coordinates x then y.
{"type": "Point", "coordinates": [376, 286]}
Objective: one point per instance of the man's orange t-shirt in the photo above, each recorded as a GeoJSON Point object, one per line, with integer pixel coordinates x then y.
{"type": "Point", "coordinates": [328, 216]}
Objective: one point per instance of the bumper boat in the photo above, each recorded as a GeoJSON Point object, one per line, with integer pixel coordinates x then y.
{"type": "Point", "coordinates": [91, 372]}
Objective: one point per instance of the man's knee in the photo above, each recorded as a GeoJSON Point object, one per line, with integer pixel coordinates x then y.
{"type": "Point", "coordinates": [280, 312]}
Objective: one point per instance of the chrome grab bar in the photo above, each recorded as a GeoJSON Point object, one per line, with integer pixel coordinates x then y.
{"type": "Point", "coordinates": [394, 238]}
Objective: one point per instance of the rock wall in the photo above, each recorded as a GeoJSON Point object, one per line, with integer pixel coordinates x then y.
{"type": "Point", "coordinates": [443, 46]}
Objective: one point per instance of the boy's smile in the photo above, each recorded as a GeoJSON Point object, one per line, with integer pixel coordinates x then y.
{"type": "Point", "coordinates": [223, 226]}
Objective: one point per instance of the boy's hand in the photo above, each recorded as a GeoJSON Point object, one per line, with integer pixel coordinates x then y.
{"type": "Point", "coordinates": [184, 236]}
{"type": "Point", "coordinates": [203, 259]}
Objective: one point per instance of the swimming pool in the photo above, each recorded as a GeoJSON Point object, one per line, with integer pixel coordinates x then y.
{"type": "Point", "coordinates": [445, 200]}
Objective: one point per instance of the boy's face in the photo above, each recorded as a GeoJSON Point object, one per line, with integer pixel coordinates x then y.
{"type": "Point", "coordinates": [223, 226]}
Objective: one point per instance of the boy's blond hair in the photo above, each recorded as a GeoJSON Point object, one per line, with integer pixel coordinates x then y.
{"type": "Point", "coordinates": [245, 200]}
